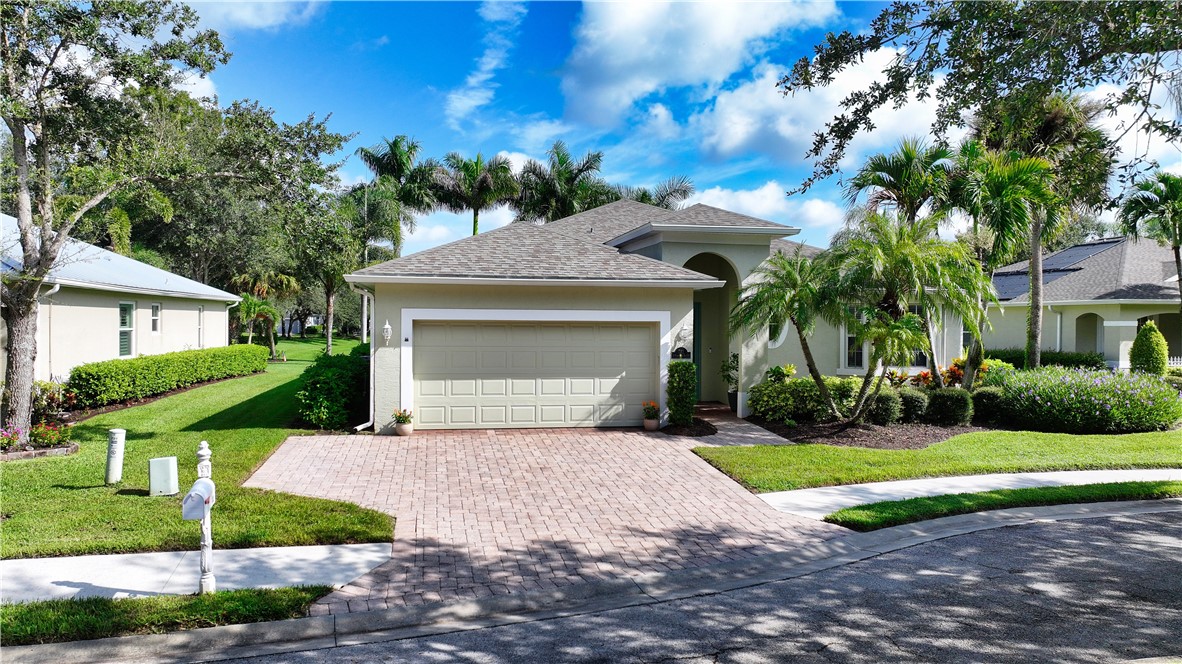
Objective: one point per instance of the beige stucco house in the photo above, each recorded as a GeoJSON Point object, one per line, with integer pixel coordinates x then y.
{"type": "Point", "coordinates": [99, 305]}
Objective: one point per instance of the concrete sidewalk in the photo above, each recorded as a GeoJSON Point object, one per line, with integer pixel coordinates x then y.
{"type": "Point", "coordinates": [818, 503]}
{"type": "Point", "coordinates": [178, 572]}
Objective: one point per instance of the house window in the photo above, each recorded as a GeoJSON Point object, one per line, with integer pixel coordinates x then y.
{"type": "Point", "coordinates": [201, 327]}
{"type": "Point", "coordinates": [966, 337]}
{"type": "Point", "coordinates": [855, 353]}
{"type": "Point", "coordinates": [920, 358]}
{"type": "Point", "coordinates": [156, 318]}
{"type": "Point", "coordinates": [126, 328]}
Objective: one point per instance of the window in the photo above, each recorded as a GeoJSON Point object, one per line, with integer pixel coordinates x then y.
{"type": "Point", "coordinates": [156, 318]}
{"type": "Point", "coordinates": [126, 328]}
{"type": "Point", "coordinates": [855, 355]}
{"type": "Point", "coordinates": [920, 358]}
{"type": "Point", "coordinates": [201, 327]}
{"type": "Point", "coordinates": [966, 337]}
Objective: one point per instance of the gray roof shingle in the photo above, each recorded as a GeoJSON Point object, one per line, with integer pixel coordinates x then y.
{"type": "Point", "coordinates": [789, 248]}
{"type": "Point", "coordinates": [608, 221]}
{"type": "Point", "coordinates": [707, 215]}
{"type": "Point", "coordinates": [1109, 269]}
{"type": "Point", "coordinates": [526, 251]}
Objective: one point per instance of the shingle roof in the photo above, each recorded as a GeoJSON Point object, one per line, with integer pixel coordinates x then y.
{"type": "Point", "coordinates": [87, 266]}
{"type": "Point", "coordinates": [789, 248]}
{"type": "Point", "coordinates": [608, 221]}
{"type": "Point", "coordinates": [707, 215]}
{"type": "Point", "coordinates": [526, 251]}
{"type": "Point", "coordinates": [1108, 269]}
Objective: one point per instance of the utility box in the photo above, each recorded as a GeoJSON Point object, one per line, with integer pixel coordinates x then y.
{"type": "Point", "coordinates": [162, 477]}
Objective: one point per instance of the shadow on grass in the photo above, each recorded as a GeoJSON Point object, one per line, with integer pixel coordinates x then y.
{"type": "Point", "coordinates": [275, 408]}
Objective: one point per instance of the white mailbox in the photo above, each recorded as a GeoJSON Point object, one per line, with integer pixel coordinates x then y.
{"type": "Point", "coordinates": [203, 493]}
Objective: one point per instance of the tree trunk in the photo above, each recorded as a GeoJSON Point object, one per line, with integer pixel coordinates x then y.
{"type": "Point", "coordinates": [250, 331]}
{"type": "Point", "coordinates": [475, 221]}
{"type": "Point", "coordinates": [271, 335]}
{"type": "Point", "coordinates": [860, 401]}
{"type": "Point", "coordinates": [974, 358]}
{"type": "Point", "coordinates": [329, 300]}
{"type": "Point", "coordinates": [859, 416]}
{"type": "Point", "coordinates": [19, 370]}
{"type": "Point", "coordinates": [933, 366]}
{"type": "Point", "coordinates": [816, 374]}
{"type": "Point", "coordinates": [1034, 317]}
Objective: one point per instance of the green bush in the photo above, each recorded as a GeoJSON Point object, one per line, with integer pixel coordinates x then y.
{"type": "Point", "coordinates": [1048, 358]}
{"type": "Point", "coordinates": [1079, 401]}
{"type": "Point", "coordinates": [987, 405]}
{"type": "Point", "coordinates": [1175, 381]}
{"type": "Point", "coordinates": [1150, 353]}
{"type": "Point", "coordinates": [334, 391]}
{"type": "Point", "coordinates": [915, 405]}
{"type": "Point", "coordinates": [950, 407]}
{"type": "Point", "coordinates": [1174, 371]}
{"type": "Point", "coordinates": [771, 400]}
{"type": "Point", "coordinates": [887, 408]}
{"type": "Point", "coordinates": [681, 392]}
{"type": "Point", "coordinates": [799, 399]}
{"type": "Point", "coordinates": [116, 381]}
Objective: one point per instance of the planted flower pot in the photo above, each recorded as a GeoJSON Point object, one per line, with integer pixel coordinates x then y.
{"type": "Point", "coordinates": [651, 425]}
{"type": "Point", "coordinates": [404, 429]}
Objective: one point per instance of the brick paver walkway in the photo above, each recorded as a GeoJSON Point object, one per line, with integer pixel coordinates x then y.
{"type": "Point", "coordinates": [482, 513]}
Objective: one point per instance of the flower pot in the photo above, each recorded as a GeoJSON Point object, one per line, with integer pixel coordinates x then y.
{"type": "Point", "coordinates": [732, 399]}
{"type": "Point", "coordinates": [652, 425]}
{"type": "Point", "coordinates": [404, 429]}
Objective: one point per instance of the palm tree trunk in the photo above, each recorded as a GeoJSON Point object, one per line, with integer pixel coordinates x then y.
{"type": "Point", "coordinates": [816, 374]}
{"type": "Point", "coordinates": [475, 221]}
{"type": "Point", "coordinates": [975, 357]}
{"type": "Point", "coordinates": [933, 366]}
{"type": "Point", "coordinates": [860, 402]}
{"type": "Point", "coordinates": [329, 309]}
{"type": "Point", "coordinates": [249, 331]}
{"type": "Point", "coordinates": [857, 418]}
{"type": "Point", "coordinates": [1034, 318]}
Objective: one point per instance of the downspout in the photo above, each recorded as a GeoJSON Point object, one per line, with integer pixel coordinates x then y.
{"type": "Point", "coordinates": [372, 364]}
{"type": "Point", "coordinates": [49, 329]}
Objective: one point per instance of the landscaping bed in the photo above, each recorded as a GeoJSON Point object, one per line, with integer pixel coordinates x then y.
{"type": "Point", "coordinates": [698, 428]}
{"type": "Point", "coordinates": [892, 437]}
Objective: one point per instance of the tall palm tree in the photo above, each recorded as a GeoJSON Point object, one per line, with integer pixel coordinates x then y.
{"type": "Point", "coordinates": [791, 289]}
{"type": "Point", "coordinates": [475, 184]}
{"type": "Point", "coordinates": [669, 194]}
{"type": "Point", "coordinates": [252, 309]}
{"type": "Point", "coordinates": [1065, 131]}
{"type": "Point", "coordinates": [401, 187]}
{"type": "Point", "coordinates": [561, 187]}
{"type": "Point", "coordinates": [907, 179]}
{"type": "Point", "coordinates": [1153, 209]}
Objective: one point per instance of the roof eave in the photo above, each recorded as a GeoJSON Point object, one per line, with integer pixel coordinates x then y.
{"type": "Point", "coordinates": [651, 228]}
{"type": "Point", "coordinates": [696, 284]}
{"type": "Point", "coordinates": [111, 288]}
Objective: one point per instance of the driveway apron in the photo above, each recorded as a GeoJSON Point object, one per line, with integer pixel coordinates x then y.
{"type": "Point", "coordinates": [490, 512]}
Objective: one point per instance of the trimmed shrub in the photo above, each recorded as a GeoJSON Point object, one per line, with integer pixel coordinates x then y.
{"type": "Point", "coordinates": [116, 381]}
{"type": "Point", "coordinates": [987, 405]}
{"type": "Point", "coordinates": [1079, 401]}
{"type": "Point", "coordinates": [914, 403]}
{"type": "Point", "coordinates": [681, 392]}
{"type": "Point", "coordinates": [360, 350]}
{"type": "Point", "coordinates": [1057, 358]}
{"type": "Point", "coordinates": [950, 407]}
{"type": "Point", "coordinates": [1150, 353]}
{"type": "Point", "coordinates": [886, 409]}
{"type": "Point", "coordinates": [799, 399]}
{"type": "Point", "coordinates": [771, 400]}
{"type": "Point", "coordinates": [333, 391]}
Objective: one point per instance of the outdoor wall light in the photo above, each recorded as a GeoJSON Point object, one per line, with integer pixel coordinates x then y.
{"type": "Point", "coordinates": [387, 332]}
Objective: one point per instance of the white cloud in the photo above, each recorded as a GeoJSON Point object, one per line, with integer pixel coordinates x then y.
{"type": "Point", "coordinates": [479, 87]}
{"type": "Point", "coordinates": [627, 51]}
{"type": "Point", "coordinates": [516, 159]}
{"type": "Point", "coordinates": [818, 217]}
{"type": "Point", "coordinates": [659, 123]}
{"type": "Point", "coordinates": [755, 117]}
{"type": "Point", "coordinates": [441, 227]}
{"type": "Point", "coordinates": [198, 87]}
{"type": "Point", "coordinates": [223, 15]}
{"type": "Point", "coordinates": [538, 134]}
{"type": "Point", "coordinates": [1129, 130]}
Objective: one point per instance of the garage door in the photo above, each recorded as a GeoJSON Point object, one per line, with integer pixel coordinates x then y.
{"type": "Point", "coordinates": [487, 375]}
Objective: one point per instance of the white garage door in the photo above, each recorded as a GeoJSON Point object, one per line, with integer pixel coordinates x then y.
{"type": "Point", "coordinates": [488, 375]}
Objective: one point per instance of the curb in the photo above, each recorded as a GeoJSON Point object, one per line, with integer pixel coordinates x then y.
{"type": "Point", "coordinates": [253, 639]}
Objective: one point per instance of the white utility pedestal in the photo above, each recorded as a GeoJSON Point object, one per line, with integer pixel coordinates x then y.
{"type": "Point", "coordinates": [115, 441]}
{"type": "Point", "coordinates": [162, 477]}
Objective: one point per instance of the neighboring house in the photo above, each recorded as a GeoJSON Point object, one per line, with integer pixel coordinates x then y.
{"type": "Point", "coordinates": [99, 305]}
{"type": "Point", "coordinates": [567, 324]}
{"type": "Point", "coordinates": [1096, 295]}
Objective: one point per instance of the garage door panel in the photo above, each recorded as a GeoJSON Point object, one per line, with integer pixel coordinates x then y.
{"type": "Point", "coordinates": [533, 375]}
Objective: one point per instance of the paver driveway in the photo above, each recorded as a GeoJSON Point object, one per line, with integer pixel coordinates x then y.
{"type": "Point", "coordinates": [481, 513]}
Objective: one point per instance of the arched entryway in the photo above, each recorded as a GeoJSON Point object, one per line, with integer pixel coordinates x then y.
{"type": "Point", "coordinates": [712, 339]}
{"type": "Point", "coordinates": [1089, 334]}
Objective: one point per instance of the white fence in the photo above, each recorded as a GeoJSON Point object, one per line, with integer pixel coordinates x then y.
{"type": "Point", "coordinates": [1174, 362]}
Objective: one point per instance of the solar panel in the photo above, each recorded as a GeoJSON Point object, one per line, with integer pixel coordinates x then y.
{"type": "Point", "coordinates": [1012, 284]}
{"type": "Point", "coordinates": [1072, 255]}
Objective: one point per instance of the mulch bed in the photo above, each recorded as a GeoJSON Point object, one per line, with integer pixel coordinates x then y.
{"type": "Point", "coordinates": [893, 437]}
{"type": "Point", "coordinates": [699, 427]}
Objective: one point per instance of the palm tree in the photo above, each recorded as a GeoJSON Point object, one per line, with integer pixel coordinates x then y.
{"type": "Point", "coordinates": [907, 179]}
{"type": "Point", "coordinates": [1003, 194]}
{"type": "Point", "coordinates": [892, 340]}
{"type": "Point", "coordinates": [669, 194]}
{"type": "Point", "coordinates": [401, 187]}
{"type": "Point", "coordinates": [474, 184]}
{"type": "Point", "coordinates": [1065, 132]}
{"type": "Point", "coordinates": [1154, 210]}
{"type": "Point", "coordinates": [267, 285]}
{"type": "Point", "coordinates": [252, 309]}
{"type": "Point", "coordinates": [790, 289]}
{"type": "Point", "coordinates": [561, 187]}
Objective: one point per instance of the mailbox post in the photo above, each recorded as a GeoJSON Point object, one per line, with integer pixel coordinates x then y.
{"type": "Point", "coordinates": [197, 505]}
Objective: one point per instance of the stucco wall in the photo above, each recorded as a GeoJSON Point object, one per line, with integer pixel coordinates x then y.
{"type": "Point", "coordinates": [391, 299]}
{"type": "Point", "coordinates": [76, 326]}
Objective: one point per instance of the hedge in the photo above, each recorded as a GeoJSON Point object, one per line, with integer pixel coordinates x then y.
{"type": "Point", "coordinates": [887, 408]}
{"type": "Point", "coordinates": [1078, 401]}
{"type": "Point", "coordinates": [116, 381]}
{"type": "Point", "coordinates": [950, 407]}
{"type": "Point", "coordinates": [914, 403]}
{"type": "Point", "coordinates": [799, 399]}
{"type": "Point", "coordinates": [334, 391]}
{"type": "Point", "coordinates": [1058, 358]}
{"type": "Point", "coordinates": [681, 392]}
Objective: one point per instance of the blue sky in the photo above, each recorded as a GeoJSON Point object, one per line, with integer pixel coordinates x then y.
{"type": "Point", "coordinates": [661, 88]}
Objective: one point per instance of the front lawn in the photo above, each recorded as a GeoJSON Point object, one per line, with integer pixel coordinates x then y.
{"type": "Point", "coordinates": [898, 512]}
{"type": "Point", "coordinates": [60, 506]}
{"type": "Point", "coordinates": [59, 620]}
{"type": "Point", "coordinates": [764, 468]}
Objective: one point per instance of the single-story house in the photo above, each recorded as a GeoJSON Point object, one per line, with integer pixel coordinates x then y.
{"type": "Point", "coordinates": [100, 305]}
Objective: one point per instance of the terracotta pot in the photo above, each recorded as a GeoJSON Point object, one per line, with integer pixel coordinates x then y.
{"type": "Point", "coordinates": [404, 429]}
{"type": "Point", "coordinates": [652, 425]}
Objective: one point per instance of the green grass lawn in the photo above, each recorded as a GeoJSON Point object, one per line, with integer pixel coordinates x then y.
{"type": "Point", "coordinates": [764, 468]}
{"type": "Point", "coordinates": [61, 620]}
{"type": "Point", "coordinates": [60, 506]}
{"type": "Point", "coordinates": [898, 512]}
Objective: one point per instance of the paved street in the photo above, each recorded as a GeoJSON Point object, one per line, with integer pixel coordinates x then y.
{"type": "Point", "coordinates": [1095, 590]}
{"type": "Point", "coordinates": [483, 513]}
